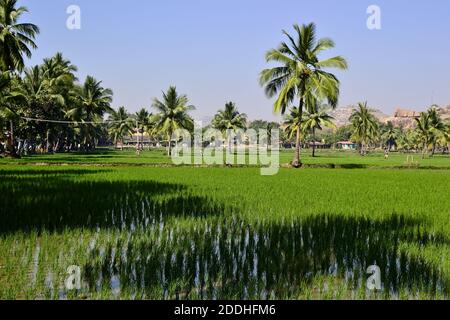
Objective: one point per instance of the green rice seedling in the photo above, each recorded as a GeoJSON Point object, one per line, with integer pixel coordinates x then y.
{"type": "Point", "coordinates": [219, 233]}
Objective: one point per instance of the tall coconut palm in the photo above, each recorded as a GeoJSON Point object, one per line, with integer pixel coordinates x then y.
{"type": "Point", "coordinates": [16, 38]}
{"type": "Point", "coordinates": [365, 125]}
{"type": "Point", "coordinates": [121, 125]}
{"type": "Point", "coordinates": [301, 74]}
{"type": "Point", "coordinates": [316, 118]}
{"type": "Point", "coordinates": [59, 72]}
{"type": "Point", "coordinates": [172, 114]}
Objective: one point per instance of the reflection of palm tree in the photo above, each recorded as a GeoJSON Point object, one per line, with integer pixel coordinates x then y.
{"type": "Point", "coordinates": [172, 114]}
{"type": "Point", "coordinates": [364, 124]}
{"type": "Point", "coordinates": [301, 74]}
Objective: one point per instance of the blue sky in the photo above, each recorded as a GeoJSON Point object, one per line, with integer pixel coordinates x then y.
{"type": "Point", "coordinates": [213, 51]}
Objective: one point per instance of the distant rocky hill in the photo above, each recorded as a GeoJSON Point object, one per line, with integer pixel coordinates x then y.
{"type": "Point", "coordinates": [405, 118]}
{"type": "Point", "coordinates": [342, 115]}
{"type": "Point", "coordinates": [444, 113]}
{"type": "Point", "coordinates": [401, 117]}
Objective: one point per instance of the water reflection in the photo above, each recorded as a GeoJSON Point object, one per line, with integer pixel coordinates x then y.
{"type": "Point", "coordinates": [226, 257]}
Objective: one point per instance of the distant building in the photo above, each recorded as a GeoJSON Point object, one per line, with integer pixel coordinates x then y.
{"type": "Point", "coordinates": [319, 145]}
{"type": "Point", "coordinates": [346, 145]}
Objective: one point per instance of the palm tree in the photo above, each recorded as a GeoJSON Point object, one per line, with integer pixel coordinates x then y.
{"type": "Point", "coordinates": [390, 135]}
{"type": "Point", "coordinates": [172, 114]}
{"type": "Point", "coordinates": [301, 74]}
{"type": "Point", "coordinates": [424, 131]}
{"type": "Point", "coordinates": [120, 126]}
{"type": "Point", "coordinates": [364, 124]}
{"type": "Point", "coordinates": [16, 38]}
{"type": "Point", "coordinates": [292, 124]}
{"type": "Point", "coordinates": [229, 118]}
{"type": "Point", "coordinates": [144, 123]}
{"type": "Point", "coordinates": [315, 118]}
{"type": "Point", "coordinates": [93, 101]}
{"type": "Point", "coordinates": [59, 72]}
{"type": "Point", "coordinates": [50, 89]}
{"type": "Point", "coordinates": [10, 96]}
{"type": "Point", "coordinates": [437, 127]}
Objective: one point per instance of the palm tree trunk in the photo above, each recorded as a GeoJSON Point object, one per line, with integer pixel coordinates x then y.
{"type": "Point", "coordinates": [296, 163]}
{"type": "Point", "coordinates": [169, 148]}
{"type": "Point", "coordinates": [47, 144]}
{"type": "Point", "coordinates": [314, 142]}
{"type": "Point", "coordinates": [11, 149]}
{"type": "Point", "coordinates": [229, 150]}
{"type": "Point", "coordinates": [297, 160]}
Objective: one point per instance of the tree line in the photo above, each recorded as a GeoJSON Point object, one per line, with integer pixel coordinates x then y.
{"type": "Point", "coordinates": [46, 108]}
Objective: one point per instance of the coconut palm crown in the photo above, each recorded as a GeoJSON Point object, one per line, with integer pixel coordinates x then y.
{"type": "Point", "coordinates": [300, 74]}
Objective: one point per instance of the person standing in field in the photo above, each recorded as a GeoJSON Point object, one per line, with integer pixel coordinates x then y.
{"type": "Point", "coordinates": [138, 149]}
{"type": "Point", "coordinates": [386, 153]}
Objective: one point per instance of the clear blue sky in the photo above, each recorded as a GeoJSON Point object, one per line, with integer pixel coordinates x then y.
{"type": "Point", "coordinates": [214, 50]}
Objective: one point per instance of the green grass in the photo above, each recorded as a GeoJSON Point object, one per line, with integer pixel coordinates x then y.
{"type": "Point", "coordinates": [325, 158]}
{"type": "Point", "coordinates": [177, 232]}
